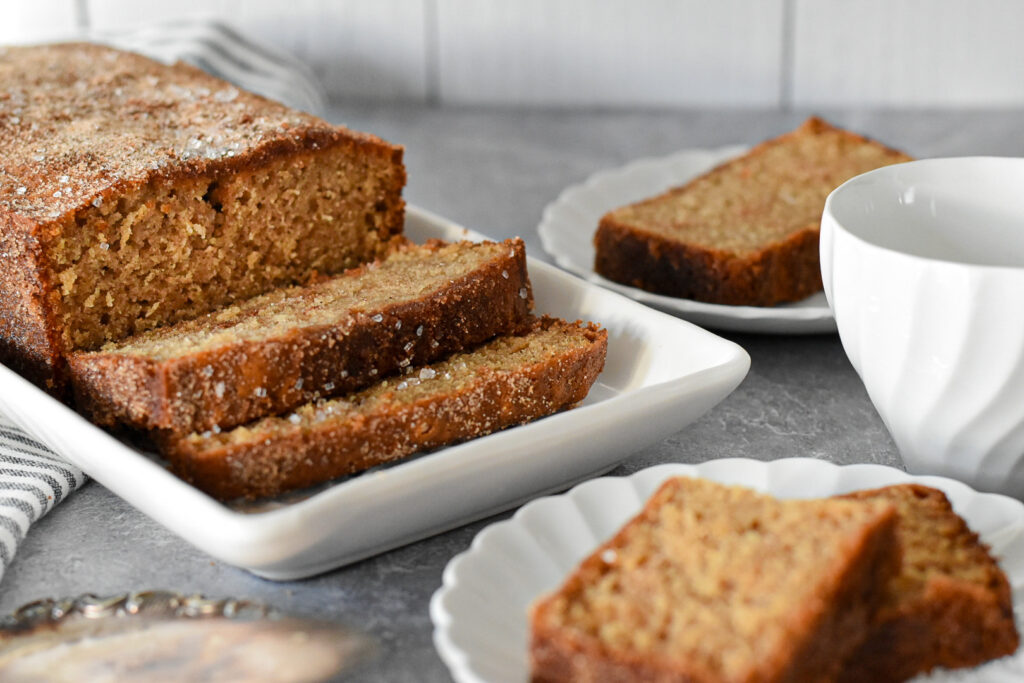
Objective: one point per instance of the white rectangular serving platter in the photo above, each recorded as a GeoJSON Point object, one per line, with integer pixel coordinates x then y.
{"type": "Point", "coordinates": [661, 374]}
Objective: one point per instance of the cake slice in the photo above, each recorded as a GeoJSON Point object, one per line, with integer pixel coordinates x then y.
{"type": "Point", "coordinates": [949, 606]}
{"type": "Point", "coordinates": [134, 194]}
{"type": "Point", "coordinates": [747, 231]}
{"type": "Point", "coordinates": [545, 367]}
{"type": "Point", "coordinates": [279, 350]}
{"type": "Point", "coordinates": [715, 584]}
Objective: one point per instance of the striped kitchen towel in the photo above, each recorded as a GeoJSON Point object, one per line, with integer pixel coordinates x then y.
{"type": "Point", "coordinates": [225, 53]}
{"type": "Point", "coordinates": [33, 479]}
{"type": "Point", "coordinates": [218, 49]}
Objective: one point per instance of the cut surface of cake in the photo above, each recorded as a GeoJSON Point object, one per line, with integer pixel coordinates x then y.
{"type": "Point", "coordinates": [545, 367]}
{"type": "Point", "coordinates": [135, 194]}
{"type": "Point", "coordinates": [713, 583]}
{"type": "Point", "coordinates": [290, 346]}
{"type": "Point", "coordinates": [949, 606]}
{"type": "Point", "coordinates": [746, 232]}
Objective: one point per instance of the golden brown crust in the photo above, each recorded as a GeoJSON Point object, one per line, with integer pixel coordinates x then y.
{"type": "Point", "coordinates": [781, 270]}
{"type": "Point", "coordinates": [819, 631]}
{"type": "Point", "coordinates": [29, 342]}
{"type": "Point", "coordinates": [959, 614]}
{"type": "Point", "coordinates": [260, 467]}
{"type": "Point", "coordinates": [242, 381]}
{"type": "Point", "coordinates": [84, 124]}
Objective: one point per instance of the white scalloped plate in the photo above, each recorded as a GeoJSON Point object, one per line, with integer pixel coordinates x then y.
{"type": "Point", "coordinates": [479, 613]}
{"type": "Point", "coordinates": [567, 229]}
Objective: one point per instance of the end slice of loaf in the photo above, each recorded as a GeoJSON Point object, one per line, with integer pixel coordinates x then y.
{"type": "Point", "coordinates": [546, 367]}
{"type": "Point", "coordinates": [279, 350]}
{"type": "Point", "coordinates": [747, 231]}
{"type": "Point", "coordinates": [716, 583]}
{"type": "Point", "coordinates": [950, 605]}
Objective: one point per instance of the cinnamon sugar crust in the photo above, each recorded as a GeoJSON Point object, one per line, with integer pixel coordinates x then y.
{"type": "Point", "coordinates": [108, 119]}
{"type": "Point", "coordinates": [547, 366]}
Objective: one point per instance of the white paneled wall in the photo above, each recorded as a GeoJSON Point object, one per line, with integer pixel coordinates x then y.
{"type": "Point", "coordinates": [613, 53]}
{"type": "Point", "coordinates": [371, 49]}
{"type": "Point", "coordinates": [909, 52]}
{"type": "Point", "coordinates": [610, 52]}
{"type": "Point", "coordinates": [37, 20]}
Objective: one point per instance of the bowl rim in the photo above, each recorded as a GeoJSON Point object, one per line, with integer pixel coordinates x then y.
{"type": "Point", "coordinates": [833, 220]}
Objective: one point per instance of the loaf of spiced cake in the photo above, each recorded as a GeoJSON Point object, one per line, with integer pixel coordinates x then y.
{"type": "Point", "coordinates": [949, 606]}
{"type": "Point", "coordinates": [744, 233]}
{"type": "Point", "coordinates": [268, 354]}
{"type": "Point", "coordinates": [719, 584]}
{"type": "Point", "coordinates": [546, 366]}
{"type": "Point", "coordinates": [135, 194]}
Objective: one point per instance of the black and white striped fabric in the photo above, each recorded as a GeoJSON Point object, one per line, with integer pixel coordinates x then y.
{"type": "Point", "coordinates": [219, 50]}
{"type": "Point", "coordinates": [225, 53]}
{"type": "Point", "coordinates": [33, 480]}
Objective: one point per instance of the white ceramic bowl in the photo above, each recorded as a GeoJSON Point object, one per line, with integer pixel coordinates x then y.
{"type": "Point", "coordinates": [923, 265]}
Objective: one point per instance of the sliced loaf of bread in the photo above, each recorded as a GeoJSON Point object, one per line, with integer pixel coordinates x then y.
{"type": "Point", "coordinates": [135, 194]}
{"type": "Point", "coordinates": [282, 349]}
{"type": "Point", "coordinates": [545, 367]}
{"type": "Point", "coordinates": [720, 584]}
{"type": "Point", "coordinates": [746, 232]}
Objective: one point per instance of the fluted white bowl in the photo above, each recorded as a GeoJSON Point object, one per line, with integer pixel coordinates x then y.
{"type": "Point", "coordinates": [923, 266]}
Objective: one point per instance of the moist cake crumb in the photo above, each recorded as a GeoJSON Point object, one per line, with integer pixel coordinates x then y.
{"type": "Point", "coordinates": [720, 584]}
{"type": "Point", "coordinates": [949, 606]}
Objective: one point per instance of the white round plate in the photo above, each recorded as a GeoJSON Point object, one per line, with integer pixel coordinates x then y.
{"type": "Point", "coordinates": [479, 613]}
{"type": "Point", "coordinates": [567, 231]}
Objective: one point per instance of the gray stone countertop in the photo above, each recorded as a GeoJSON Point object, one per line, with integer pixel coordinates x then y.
{"type": "Point", "coordinates": [494, 171]}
